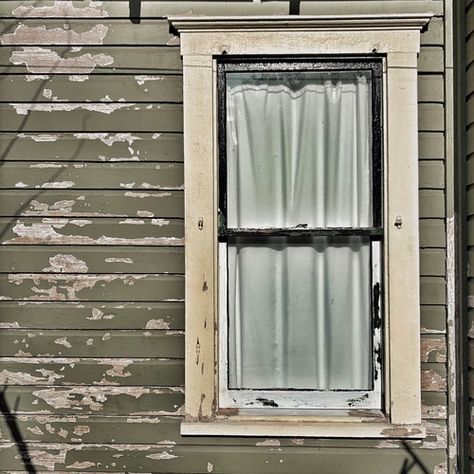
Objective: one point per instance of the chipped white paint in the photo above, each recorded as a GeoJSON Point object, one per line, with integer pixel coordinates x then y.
{"type": "Point", "coordinates": [48, 165]}
{"type": "Point", "coordinates": [210, 467]}
{"type": "Point", "coordinates": [108, 138]}
{"type": "Point", "coordinates": [141, 80]}
{"type": "Point", "coordinates": [157, 324]}
{"type": "Point", "coordinates": [22, 378]}
{"type": "Point", "coordinates": [82, 78]}
{"type": "Point", "coordinates": [58, 185]}
{"type": "Point", "coordinates": [80, 430]}
{"type": "Point", "coordinates": [47, 93]}
{"type": "Point", "coordinates": [103, 108]}
{"type": "Point", "coordinates": [97, 315]}
{"type": "Point", "coordinates": [146, 195]}
{"type": "Point", "coordinates": [89, 342]}
{"type": "Point", "coordinates": [268, 442]}
{"type": "Point", "coordinates": [161, 456]}
{"type": "Point", "coordinates": [62, 341]}
{"type": "Point", "coordinates": [58, 207]}
{"type": "Point", "coordinates": [61, 263]}
{"type": "Point", "coordinates": [20, 184]}
{"type": "Point", "coordinates": [43, 137]}
{"type": "Point", "coordinates": [9, 325]}
{"type": "Point", "coordinates": [44, 61]}
{"type": "Point", "coordinates": [35, 430]}
{"type": "Point", "coordinates": [159, 222]}
{"type": "Point", "coordinates": [106, 336]}
{"type": "Point", "coordinates": [60, 9]}
{"type": "Point", "coordinates": [36, 77]}
{"type": "Point", "coordinates": [45, 232]}
{"type": "Point", "coordinates": [118, 260]}
{"type": "Point", "coordinates": [81, 465]}
{"type": "Point", "coordinates": [24, 34]}
{"type": "Point", "coordinates": [118, 368]}
{"type": "Point", "coordinates": [127, 185]}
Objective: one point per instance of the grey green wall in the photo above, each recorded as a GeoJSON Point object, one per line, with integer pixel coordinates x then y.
{"type": "Point", "coordinates": [91, 266]}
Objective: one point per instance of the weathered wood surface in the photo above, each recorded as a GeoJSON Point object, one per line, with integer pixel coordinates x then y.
{"type": "Point", "coordinates": [94, 287]}
{"type": "Point", "coordinates": [205, 459]}
{"type": "Point", "coordinates": [115, 59]}
{"type": "Point", "coordinates": [71, 203]}
{"type": "Point", "coordinates": [91, 117]}
{"type": "Point", "coordinates": [152, 8]}
{"type": "Point", "coordinates": [119, 87]}
{"type": "Point", "coordinates": [91, 343]}
{"type": "Point", "coordinates": [133, 176]}
{"type": "Point", "coordinates": [94, 315]}
{"type": "Point", "coordinates": [143, 231]}
{"type": "Point", "coordinates": [105, 147]}
{"type": "Point", "coordinates": [38, 259]}
{"type": "Point", "coordinates": [35, 371]}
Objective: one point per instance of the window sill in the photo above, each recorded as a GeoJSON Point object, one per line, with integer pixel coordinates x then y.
{"type": "Point", "coordinates": [304, 429]}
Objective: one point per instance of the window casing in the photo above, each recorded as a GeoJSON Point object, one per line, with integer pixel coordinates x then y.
{"type": "Point", "coordinates": [316, 78]}
{"type": "Point", "coordinates": [394, 38]}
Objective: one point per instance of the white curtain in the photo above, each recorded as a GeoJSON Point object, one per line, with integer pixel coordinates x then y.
{"type": "Point", "coordinates": [298, 155]}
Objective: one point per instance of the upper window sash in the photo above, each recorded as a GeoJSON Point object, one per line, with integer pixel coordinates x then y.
{"type": "Point", "coordinates": [374, 65]}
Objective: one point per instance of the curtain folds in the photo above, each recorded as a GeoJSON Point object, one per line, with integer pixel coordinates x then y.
{"type": "Point", "coordinates": [298, 155]}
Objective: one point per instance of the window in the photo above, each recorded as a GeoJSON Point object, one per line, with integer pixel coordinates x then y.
{"type": "Point", "coordinates": [307, 220]}
{"type": "Point", "coordinates": [300, 233]}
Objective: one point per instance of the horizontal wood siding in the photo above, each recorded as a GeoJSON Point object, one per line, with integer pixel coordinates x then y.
{"type": "Point", "coordinates": [92, 256]}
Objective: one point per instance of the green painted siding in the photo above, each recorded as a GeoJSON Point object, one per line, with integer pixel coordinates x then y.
{"type": "Point", "coordinates": [92, 256]}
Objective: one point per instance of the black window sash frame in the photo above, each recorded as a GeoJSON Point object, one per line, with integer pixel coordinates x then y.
{"type": "Point", "coordinates": [284, 64]}
{"type": "Point", "coordinates": [305, 235]}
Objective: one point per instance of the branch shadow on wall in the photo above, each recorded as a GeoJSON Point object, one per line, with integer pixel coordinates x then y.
{"type": "Point", "coordinates": [12, 424]}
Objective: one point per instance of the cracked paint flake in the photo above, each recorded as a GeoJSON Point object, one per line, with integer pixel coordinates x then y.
{"type": "Point", "coordinates": [60, 9]}
{"type": "Point", "coordinates": [210, 467]}
{"type": "Point", "coordinates": [42, 137]}
{"type": "Point", "coordinates": [157, 324]}
{"type": "Point", "coordinates": [65, 287]}
{"type": "Point", "coordinates": [118, 260]}
{"type": "Point", "coordinates": [103, 108]}
{"type": "Point", "coordinates": [44, 61]}
{"type": "Point", "coordinates": [46, 232]}
{"type": "Point", "coordinates": [62, 341]}
{"type": "Point", "coordinates": [141, 80]}
{"type": "Point", "coordinates": [40, 35]}
{"type": "Point", "coordinates": [109, 138]}
{"type": "Point", "coordinates": [269, 442]}
{"type": "Point", "coordinates": [61, 263]}
{"type": "Point", "coordinates": [81, 465]}
{"type": "Point", "coordinates": [162, 456]}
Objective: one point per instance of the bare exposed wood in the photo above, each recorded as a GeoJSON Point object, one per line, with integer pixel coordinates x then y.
{"type": "Point", "coordinates": [95, 287]}
{"type": "Point", "coordinates": [141, 231]}
{"type": "Point", "coordinates": [86, 204]}
{"type": "Point", "coordinates": [91, 371]}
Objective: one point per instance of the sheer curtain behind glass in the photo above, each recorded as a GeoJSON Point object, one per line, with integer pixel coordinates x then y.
{"type": "Point", "coordinates": [298, 156]}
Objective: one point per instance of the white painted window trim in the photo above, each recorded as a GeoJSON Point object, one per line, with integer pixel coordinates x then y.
{"type": "Point", "coordinates": [395, 36]}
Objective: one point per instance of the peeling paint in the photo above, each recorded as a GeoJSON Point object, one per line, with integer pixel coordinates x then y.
{"type": "Point", "coordinates": [108, 138]}
{"type": "Point", "coordinates": [118, 260]}
{"type": "Point", "coordinates": [210, 467]}
{"type": "Point", "coordinates": [42, 137]}
{"type": "Point", "coordinates": [103, 108]}
{"type": "Point", "coordinates": [82, 78]}
{"type": "Point", "coordinates": [59, 9]}
{"type": "Point", "coordinates": [161, 456]}
{"type": "Point", "coordinates": [66, 264]}
{"type": "Point", "coordinates": [157, 324]}
{"type": "Point", "coordinates": [44, 61]}
{"type": "Point", "coordinates": [63, 342]}
{"type": "Point", "coordinates": [81, 465]}
{"type": "Point", "coordinates": [269, 442]}
{"type": "Point", "coordinates": [141, 80]}
{"type": "Point", "coordinates": [24, 34]}
{"type": "Point", "coordinates": [46, 232]}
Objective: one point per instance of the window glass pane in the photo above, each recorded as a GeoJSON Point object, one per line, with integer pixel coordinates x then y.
{"type": "Point", "coordinates": [299, 149]}
{"type": "Point", "coordinates": [299, 314]}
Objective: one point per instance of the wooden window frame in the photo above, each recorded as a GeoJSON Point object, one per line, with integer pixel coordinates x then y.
{"type": "Point", "coordinates": [394, 37]}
